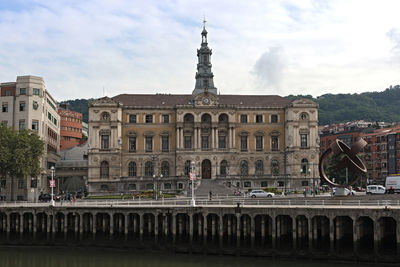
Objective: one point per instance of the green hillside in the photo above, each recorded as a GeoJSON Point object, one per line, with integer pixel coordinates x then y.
{"type": "Point", "coordinates": [333, 108]}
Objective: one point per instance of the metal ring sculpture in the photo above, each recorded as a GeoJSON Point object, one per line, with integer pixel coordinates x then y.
{"type": "Point", "coordinates": [349, 160]}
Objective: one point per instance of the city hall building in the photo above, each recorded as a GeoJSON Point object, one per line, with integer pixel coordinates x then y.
{"type": "Point", "coordinates": [141, 142]}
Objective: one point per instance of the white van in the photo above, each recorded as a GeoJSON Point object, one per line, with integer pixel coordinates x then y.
{"type": "Point", "coordinates": [392, 184]}
{"type": "Point", "coordinates": [375, 189]}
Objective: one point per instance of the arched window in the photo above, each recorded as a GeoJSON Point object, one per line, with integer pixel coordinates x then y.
{"type": "Point", "coordinates": [187, 167]}
{"type": "Point", "coordinates": [104, 169]}
{"type": "Point", "coordinates": [148, 169]}
{"type": "Point", "coordinates": [224, 168]}
{"type": "Point", "coordinates": [132, 169]}
{"type": "Point", "coordinates": [105, 116]}
{"type": "Point", "coordinates": [304, 166]}
{"type": "Point", "coordinates": [206, 118]}
{"type": "Point", "coordinates": [259, 167]}
{"type": "Point", "coordinates": [223, 118]}
{"type": "Point", "coordinates": [244, 167]}
{"type": "Point", "coordinates": [188, 118]}
{"type": "Point", "coordinates": [275, 167]}
{"type": "Point", "coordinates": [165, 168]}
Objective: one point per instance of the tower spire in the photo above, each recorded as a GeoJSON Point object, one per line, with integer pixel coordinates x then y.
{"type": "Point", "coordinates": [204, 75]}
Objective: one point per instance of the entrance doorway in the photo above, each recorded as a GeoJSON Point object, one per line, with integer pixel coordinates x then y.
{"type": "Point", "coordinates": [206, 169]}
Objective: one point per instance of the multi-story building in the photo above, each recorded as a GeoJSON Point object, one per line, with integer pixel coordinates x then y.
{"type": "Point", "coordinates": [26, 104]}
{"type": "Point", "coordinates": [382, 153]}
{"type": "Point", "coordinates": [71, 127]}
{"type": "Point", "coordinates": [139, 142]}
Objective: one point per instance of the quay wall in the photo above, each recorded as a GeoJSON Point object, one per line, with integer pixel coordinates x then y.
{"type": "Point", "coordinates": [328, 232]}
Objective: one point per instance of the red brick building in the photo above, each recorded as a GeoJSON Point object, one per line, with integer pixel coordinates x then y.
{"type": "Point", "coordinates": [71, 127]}
{"type": "Point", "coordinates": [382, 153]}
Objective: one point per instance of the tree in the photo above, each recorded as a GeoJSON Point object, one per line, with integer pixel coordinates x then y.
{"type": "Point", "coordinates": [21, 152]}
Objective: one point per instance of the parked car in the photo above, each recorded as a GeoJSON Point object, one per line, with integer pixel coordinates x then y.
{"type": "Point", "coordinates": [347, 192]}
{"type": "Point", "coordinates": [261, 193]}
{"type": "Point", "coordinates": [44, 197]}
{"type": "Point", "coordinates": [376, 189]}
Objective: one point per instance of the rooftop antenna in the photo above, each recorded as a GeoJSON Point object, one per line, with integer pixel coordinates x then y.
{"type": "Point", "coordinates": [104, 93]}
{"type": "Point", "coordinates": [204, 21]}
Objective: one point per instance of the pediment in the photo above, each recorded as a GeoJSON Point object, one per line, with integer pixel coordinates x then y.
{"type": "Point", "coordinates": [104, 101]}
{"type": "Point", "coordinates": [206, 99]}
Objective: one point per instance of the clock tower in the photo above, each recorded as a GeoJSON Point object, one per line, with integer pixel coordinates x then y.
{"type": "Point", "coordinates": [204, 75]}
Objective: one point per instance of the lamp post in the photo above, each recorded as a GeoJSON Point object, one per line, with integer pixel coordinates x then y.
{"type": "Point", "coordinates": [52, 203]}
{"type": "Point", "coordinates": [192, 177]}
{"type": "Point", "coordinates": [305, 170]}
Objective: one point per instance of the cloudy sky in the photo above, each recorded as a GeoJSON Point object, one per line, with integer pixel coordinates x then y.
{"type": "Point", "coordinates": [85, 49]}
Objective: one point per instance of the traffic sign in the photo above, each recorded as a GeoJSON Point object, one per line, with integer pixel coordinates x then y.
{"type": "Point", "coordinates": [192, 176]}
{"type": "Point", "coordinates": [52, 183]}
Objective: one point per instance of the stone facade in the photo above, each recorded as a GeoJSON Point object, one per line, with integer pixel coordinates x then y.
{"type": "Point", "coordinates": [26, 104]}
{"type": "Point", "coordinates": [138, 142]}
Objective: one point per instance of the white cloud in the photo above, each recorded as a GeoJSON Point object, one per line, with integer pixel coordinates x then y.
{"type": "Point", "coordinates": [269, 68]}
{"type": "Point", "coordinates": [79, 47]}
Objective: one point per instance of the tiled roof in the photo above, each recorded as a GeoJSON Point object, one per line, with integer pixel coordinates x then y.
{"type": "Point", "coordinates": [172, 100]}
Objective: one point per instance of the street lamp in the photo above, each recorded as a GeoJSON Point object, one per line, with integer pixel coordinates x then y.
{"type": "Point", "coordinates": [192, 177]}
{"type": "Point", "coordinates": [305, 171]}
{"type": "Point", "coordinates": [52, 203]}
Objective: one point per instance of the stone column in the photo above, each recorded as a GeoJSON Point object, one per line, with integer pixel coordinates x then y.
{"type": "Point", "coordinates": [195, 137]}
{"type": "Point", "coordinates": [216, 138]}
{"type": "Point", "coordinates": [294, 233]}
{"type": "Point", "coordinates": [212, 137]}
{"type": "Point", "coordinates": [181, 138]}
{"type": "Point", "coordinates": [262, 230]}
{"type": "Point", "coordinates": [190, 228]}
{"type": "Point", "coordinates": [310, 233]}
{"type": "Point", "coordinates": [233, 138]}
{"type": "Point", "coordinates": [21, 224]}
{"type": "Point", "coordinates": [155, 227]}
{"type": "Point", "coordinates": [230, 144]}
{"type": "Point", "coordinates": [165, 224]}
{"type": "Point", "coordinates": [79, 217]}
{"type": "Point", "coordinates": [273, 231]}
{"type": "Point", "coordinates": [34, 224]}
{"type": "Point", "coordinates": [205, 225]}
{"type": "Point", "coordinates": [355, 235]}
{"type": "Point", "coordinates": [377, 237]}
{"type": "Point", "coordinates": [199, 226]}
{"type": "Point", "coordinates": [213, 227]}
{"type": "Point", "coordinates": [111, 216]}
{"type": "Point", "coordinates": [229, 226]}
{"type": "Point", "coordinates": [199, 138]}
{"type": "Point", "coordinates": [178, 142]}
{"type": "Point", "coordinates": [141, 225]}
{"type": "Point", "coordinates": [332, 235]}
{"type": "Point", "coordinates": [126, 225]}
{"type": "Point", "coordinates": [173, 227]}
{"type": "Point", "coordinates": [221, 230]}
{"type": "Point", "coordinates": [94, 226]}
{"type": "Point", "coordinates": [238, 230]}
{"type": "Point", "coordinates": [253, 230]}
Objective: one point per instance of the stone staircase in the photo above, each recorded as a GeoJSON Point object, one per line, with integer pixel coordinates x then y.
{"type": "Point", "coordinates": [207, 185]}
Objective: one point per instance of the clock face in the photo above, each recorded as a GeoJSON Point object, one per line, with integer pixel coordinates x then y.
{"type": "Point", "coordinates": [206, 101]}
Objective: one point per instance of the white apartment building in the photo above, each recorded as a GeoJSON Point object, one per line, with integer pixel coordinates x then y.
{"type": "Point", "coordinates": [26, 104]}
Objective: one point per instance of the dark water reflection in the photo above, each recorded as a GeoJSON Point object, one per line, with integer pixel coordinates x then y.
{"type": "Point", "coordinates": [81, 257]}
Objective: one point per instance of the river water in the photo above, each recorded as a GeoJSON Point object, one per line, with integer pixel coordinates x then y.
{"type": "Point", "coordinates": [83, 257]}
